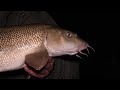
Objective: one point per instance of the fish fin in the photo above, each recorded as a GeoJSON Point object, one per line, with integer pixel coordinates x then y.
{"type": "Point", "coordinates": [38, 59]}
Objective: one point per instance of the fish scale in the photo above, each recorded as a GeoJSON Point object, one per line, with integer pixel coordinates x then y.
{"type": "Point", "coordinates": [16, 42]}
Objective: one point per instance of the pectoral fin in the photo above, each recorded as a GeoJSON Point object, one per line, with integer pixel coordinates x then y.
{"type": "Point", "coordinates": [38, 59]}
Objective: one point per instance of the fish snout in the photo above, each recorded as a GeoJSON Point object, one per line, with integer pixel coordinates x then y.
{"type": "Point", "coordinates": [87, 47]}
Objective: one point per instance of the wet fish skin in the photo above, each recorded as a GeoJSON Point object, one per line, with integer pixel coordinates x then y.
{"type": "Point", "coordinates": [34, 44]}
{"type": "Point", "coordinates": [18, 41]}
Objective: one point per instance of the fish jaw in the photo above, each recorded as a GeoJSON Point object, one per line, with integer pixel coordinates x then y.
{"type": "Point", "coordinates": [54, 53]}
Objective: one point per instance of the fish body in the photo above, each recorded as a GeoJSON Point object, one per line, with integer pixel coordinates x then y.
{"type": "Point", "coordinates": [26, 44]}
{"type": "Point", "coordinates": [16, 42]}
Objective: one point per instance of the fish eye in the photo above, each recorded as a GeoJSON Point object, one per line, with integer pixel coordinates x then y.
{"type": "Point", "coordinates": [69, 34]}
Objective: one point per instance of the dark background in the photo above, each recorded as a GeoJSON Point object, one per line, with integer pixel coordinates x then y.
{"type": "Point", "coordinates": [101, 32]}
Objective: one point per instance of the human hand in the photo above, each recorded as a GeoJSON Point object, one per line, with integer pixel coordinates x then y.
{"type": "Point", "coordinates": [42, 73]}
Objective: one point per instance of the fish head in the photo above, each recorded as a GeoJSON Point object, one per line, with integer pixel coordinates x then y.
{"type": "Point", "coordinates": [63, 42]}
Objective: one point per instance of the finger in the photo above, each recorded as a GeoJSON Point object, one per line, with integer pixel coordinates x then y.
{"type": "Point", "coordinates": [31, 72]}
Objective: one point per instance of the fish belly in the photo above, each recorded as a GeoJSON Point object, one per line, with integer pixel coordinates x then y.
{"type": "Point", "coordinates": [11, 61]}
{"type": "Point", "coordinates": [14, 60]}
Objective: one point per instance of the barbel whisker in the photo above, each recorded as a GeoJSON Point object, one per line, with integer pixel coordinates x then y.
{"type": "Point", "coordinates": [78, 56]}
{"type": "Point", "coordinates": [91, 48]}
{"type": "Point", "coordinates": [88, 51]}
{"type": "Point", "coordinates": [83, 53]}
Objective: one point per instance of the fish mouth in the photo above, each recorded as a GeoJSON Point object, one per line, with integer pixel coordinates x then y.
{"type": "Point", "coordinates": [80, 51]}
{"type": "Point", "coordinates": [75, 51]}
